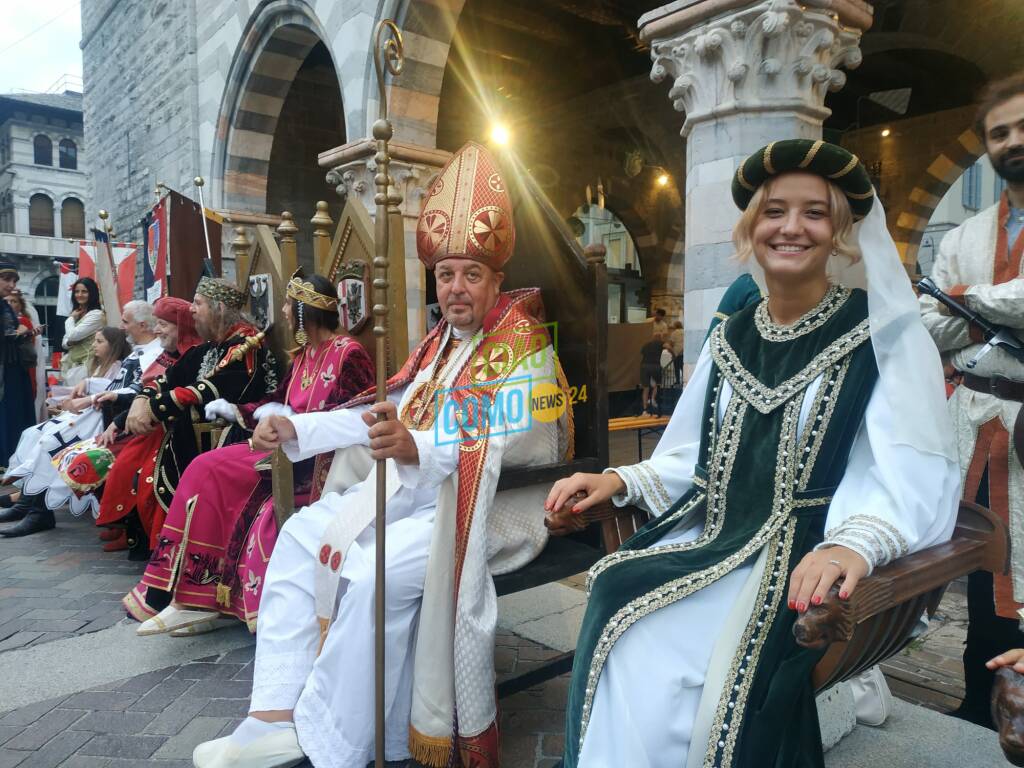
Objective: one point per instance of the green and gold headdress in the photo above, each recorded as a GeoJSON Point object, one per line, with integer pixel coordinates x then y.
{"type": "Point", "coordinates": [831, 162]}
{"type": "Point", "coordinates": [218, 289]}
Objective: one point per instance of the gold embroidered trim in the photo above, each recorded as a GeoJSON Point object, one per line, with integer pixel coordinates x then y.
{"type": "Point", "coordinates": [675, 590]}
{"type": "Point", "coordinates": [846, 169]}
{"type": "Point", "coordinates": [823, 311]}
{"type": "Point", "coordinates": [769, 167]}
{"type": "Point", "coordinates": [743, 181]}
{"type": "Point", "coordinates": [825, 405]}
{"type": "Point", "coordinates": [860, 195]}
{"type": "Point", "coordinates": [809, 157]}
{"type": "Point", "coordinates": [766, 399]}
{"type": "Point", "coordinates": [729, 714]}
{"type": "Point", "coordinates": [725, 446]}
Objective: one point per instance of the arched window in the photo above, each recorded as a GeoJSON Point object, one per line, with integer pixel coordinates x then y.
{"type": "Point", "coordinates": [68, 151]}
{"type": "Point", "coordinates": [72, 218]}
{"type": "Point", "coordinates": [40, 216]}
{"type": "Point", "coordinates": [43, 150]}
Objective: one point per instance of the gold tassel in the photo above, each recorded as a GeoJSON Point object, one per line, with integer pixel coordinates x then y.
{"type": "Point", "coordinates": [432, 751]}
{"type": "Point", "coordinates": [224, 595]}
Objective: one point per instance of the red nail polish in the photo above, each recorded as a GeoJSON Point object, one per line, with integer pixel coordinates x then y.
{"type": "Point", "coordinates": [801, 606]}
{"type": "Point", "coordinates": [792, 604]}
{"type": "Point", "coordinates": [816, 600]}
{"type": "Point", "coordinates": [843, 595]}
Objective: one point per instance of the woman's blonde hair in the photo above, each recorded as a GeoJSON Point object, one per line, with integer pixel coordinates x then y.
{"type": "Point", "coordinates": [839, 212]}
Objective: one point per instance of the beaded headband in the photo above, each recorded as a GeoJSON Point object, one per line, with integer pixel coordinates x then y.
{"type": "Point", "coordinates": [221, 290]}
{"type": "Point", "coordinates": [303, 290]}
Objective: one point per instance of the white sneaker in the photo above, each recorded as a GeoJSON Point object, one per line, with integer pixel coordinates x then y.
{"type": "Point", "coordinates": [171, 618]}
{"type": "Point", "coordinates": [872, 700]}
{"type": "Point", "coordinates": [279, 749]}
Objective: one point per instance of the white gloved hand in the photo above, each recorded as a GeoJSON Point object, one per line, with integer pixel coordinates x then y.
{"type": "Point", "coordinates": [221, 409]}
{"type": "Point", "coordinates": [272, 409]}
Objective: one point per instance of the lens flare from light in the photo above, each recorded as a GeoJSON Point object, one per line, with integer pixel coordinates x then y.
{"type": "Point", "coordinates": [885, 132]}
{"type": "Point", "coordinates": [663, 180]}
{"type": "Point", "coordinates": [500, 135]}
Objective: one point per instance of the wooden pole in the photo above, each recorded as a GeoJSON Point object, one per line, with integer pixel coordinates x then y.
{"type": "Point", "coordinates": [289, 250]}
{"type": "Point", "coordinates": [198, 181]}
{"type": "Point", "coordinates": [321, 222]}
{"type": "Point", "coordinates": [387, 57]}
{"type": "Point", "coordinates": [241, 245]}
{"type": "Point", "coordinates": [106, 278]}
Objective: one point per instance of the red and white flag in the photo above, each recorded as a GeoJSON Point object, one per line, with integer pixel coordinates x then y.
{"type": "Point", "coordinates": [125, 255]}
{"type": "Point", "coordinates": [68, 277]}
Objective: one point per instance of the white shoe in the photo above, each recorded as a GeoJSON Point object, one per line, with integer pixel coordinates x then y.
{"type": "Point", "coordinates": [203, 627]}
{"type": "Point", "coordinates": [171, 618]}
{"type": "Point", "coordinates": [279, 749]}
{"type": "Point", "coordinates": [872, 700]}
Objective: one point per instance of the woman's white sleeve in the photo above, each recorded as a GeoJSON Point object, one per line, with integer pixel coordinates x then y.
{"type": "Point", "coordinates": [656, 484]}
{"type": "Point", "coordinates": [893, 499]}
{"type": "Point", "coordinates": [91, 322]}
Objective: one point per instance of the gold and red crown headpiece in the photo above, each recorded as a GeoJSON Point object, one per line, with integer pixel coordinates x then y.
{"type": "Point", "coordinates": [302, 290]}
{"type": "Point", "coordinates": [467, 213]}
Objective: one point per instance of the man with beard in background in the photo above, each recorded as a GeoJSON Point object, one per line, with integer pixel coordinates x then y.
{"type": "Point", "coordinates": [979, 264]}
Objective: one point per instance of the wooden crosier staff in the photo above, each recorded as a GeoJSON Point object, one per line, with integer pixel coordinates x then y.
{"type": "Point", "coordinates": [387, 55]}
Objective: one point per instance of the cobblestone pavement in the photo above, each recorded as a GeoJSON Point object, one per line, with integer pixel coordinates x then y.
{"type": "Point", "coordinates": [60, 585]}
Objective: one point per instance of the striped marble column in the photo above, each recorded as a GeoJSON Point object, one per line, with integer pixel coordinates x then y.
{"type": "Point", "coordinates": [745, 73]}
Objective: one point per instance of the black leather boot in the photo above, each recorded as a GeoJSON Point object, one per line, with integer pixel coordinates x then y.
{"type": "Point", "coordinates": [36, 517]}
{"type": "Point", "coordinates": [14, 512]}
{"type": "Point", "coordinates": [138, 540]}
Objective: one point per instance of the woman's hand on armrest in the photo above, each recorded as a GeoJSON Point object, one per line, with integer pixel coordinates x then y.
{"type": "Point", "coordinates": [819, 570]}
{"type": "Point", "coordinates": [572, 495]}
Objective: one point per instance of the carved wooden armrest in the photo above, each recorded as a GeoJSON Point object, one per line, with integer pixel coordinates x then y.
{"type": "Point", "coordinates": [1008, 713]}
{"type": "Point", "coordinates": [979, 543]}
{"type": "Point", "coordinates": [617, 523]}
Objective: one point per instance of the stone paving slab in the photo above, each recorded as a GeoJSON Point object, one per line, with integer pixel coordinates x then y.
{"type": "Point", "coordinates": [60, 583]}
{"type": "Point", "coordinates": [64, 655]}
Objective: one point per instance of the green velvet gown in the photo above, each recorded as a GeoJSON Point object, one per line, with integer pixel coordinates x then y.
{"type": "Point", "coordinates": [760, 482]}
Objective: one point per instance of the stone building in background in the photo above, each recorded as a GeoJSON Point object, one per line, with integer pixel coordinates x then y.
{"type": "Point", "coordinates": [43, 202]}
{"type": "Point", "coordinates": [651, 102]}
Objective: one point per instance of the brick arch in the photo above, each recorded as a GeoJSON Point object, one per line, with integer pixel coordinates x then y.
{"type": "Point", "coordinates": [276, 42]}
{"type": "Point", "coordinates": [428, 27]}
{"type": "Point", "coordinates": [646, 241]}
{"type": "Point", "coordinates": [917, 209]}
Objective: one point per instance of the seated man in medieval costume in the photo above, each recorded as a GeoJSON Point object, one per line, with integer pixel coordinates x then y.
{"type": "Point", "coordinates": [211, 556]}
{"type": "Point", "coordinates": [232, 363]}
{"type": "Point", "coordinates": [313, 679]}
{"type": "Point", "coordinates": [31, 465]}
{"type": "Point", "coordinates": [811, 445]}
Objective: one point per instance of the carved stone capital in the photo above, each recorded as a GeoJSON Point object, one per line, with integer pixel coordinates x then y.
{"type": "Point", "coordinates": [412, 169]}
{"type": "Point", "coordinates": [766, 56]}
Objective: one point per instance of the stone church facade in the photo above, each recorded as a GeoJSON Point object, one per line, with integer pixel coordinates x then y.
{"type": "Point", "coordinates": [253, 95]}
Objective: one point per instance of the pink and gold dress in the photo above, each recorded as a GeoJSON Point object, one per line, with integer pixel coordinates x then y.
{"type": "Point", "coordinates": [213, 549]}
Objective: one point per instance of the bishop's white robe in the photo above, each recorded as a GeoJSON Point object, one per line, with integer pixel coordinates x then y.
{"type": "Point", "coordinates": [332, 694]}
{"type": "Point", "coordinates": [650, 703]}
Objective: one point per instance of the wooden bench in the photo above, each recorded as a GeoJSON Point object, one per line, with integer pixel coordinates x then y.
{"type": "Point", "coordinates": [649, 424]}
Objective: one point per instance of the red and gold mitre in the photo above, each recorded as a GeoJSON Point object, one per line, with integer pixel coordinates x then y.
{"type": "Point", "coordinates": [467, 213]}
